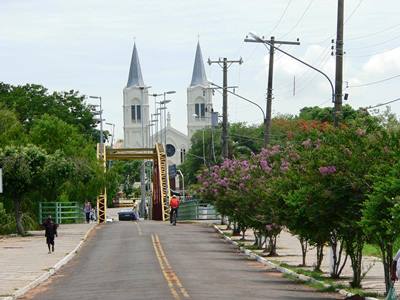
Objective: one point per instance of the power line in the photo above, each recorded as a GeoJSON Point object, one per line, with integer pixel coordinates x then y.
{"type": "Point", "coordinates": [377, 44]}
{"type": "Point", "coordinates": [373, 82]}
{"type": "Point", "coordinates": [300, 19]}
{"type": "Point", "coordinates": [281, 18]}
{"type": "Point", "coordinates": [372, 34]}
{"type": "Point", "coordinates": [382, 104]}
{"type": "Point", "coordinates": [354, 10]}
{"type": "Point", "coordinates": [374, 53]}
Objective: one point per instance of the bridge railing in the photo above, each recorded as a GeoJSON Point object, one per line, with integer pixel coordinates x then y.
{"type": "Point", "coordinates": [61, 212]}
{"type": "Point", "coordinates": [196, 210]}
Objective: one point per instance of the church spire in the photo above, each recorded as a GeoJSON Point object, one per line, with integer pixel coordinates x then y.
{"type": "Point", "coordinates": [135, 73]}
{"type": "Point", "coordinates": [199, 74]}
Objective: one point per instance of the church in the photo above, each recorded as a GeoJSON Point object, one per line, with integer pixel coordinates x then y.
{"type": "Point", "coordinates": [143, 128]}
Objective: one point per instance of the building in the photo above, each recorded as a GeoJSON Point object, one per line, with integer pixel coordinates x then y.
{"type": "Point", "coordinates": [137, 117]}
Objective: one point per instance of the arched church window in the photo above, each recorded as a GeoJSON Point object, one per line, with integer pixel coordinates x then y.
{"type": "Point", "coordinates": [183, 154]}
{"type": "Point", "coordinates": [136, 113]}
{"type": "Point", "coordinates": [200, 110]}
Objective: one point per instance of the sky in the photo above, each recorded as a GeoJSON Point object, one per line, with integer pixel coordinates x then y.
{"type": "Point", "coordinates": [86, 45]}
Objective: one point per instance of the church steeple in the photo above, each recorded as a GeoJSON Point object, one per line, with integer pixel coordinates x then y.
{"type": "Point", "coordinates": [199, 74]}
{"type": "Point", "coordinates": [135, 73]}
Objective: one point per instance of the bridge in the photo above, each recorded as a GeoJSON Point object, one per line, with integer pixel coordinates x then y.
{"type": "Point", "coordinates": [159, 208]}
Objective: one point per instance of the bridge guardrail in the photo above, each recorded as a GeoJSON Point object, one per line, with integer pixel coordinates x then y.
{"type": "Point", "coordinates": [195, 210]}
{"type": "Point", "coordinates": [61, 212]}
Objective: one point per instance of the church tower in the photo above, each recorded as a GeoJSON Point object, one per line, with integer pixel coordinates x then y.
{"type": "Point", "coordinates": [199, 97]}
{"type": "Point", "coordinates": [136, 106]}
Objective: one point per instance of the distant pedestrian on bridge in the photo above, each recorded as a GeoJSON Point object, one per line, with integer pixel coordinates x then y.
{"type": "Point", "coordinates": [50, 231]}
{"type": "Point", "coordinates": [87, 209]}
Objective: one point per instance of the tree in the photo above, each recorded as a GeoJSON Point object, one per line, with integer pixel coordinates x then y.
{"type": "Point", "coordinates": [23, 171]}
{"type": "Point", "coordinates": [31, 101]}
{"type": "Point", "coordinates": [11, 131]}
{"type": "Point", "coordinates": [381, 216]}
{"type": "Point", "coordinates": [53, 134]}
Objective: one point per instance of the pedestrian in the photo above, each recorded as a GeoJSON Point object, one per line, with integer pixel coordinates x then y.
{"type": "Point", "coordinates": [87, 209]}
{"type": "Point", "coordinates": [50, 231]}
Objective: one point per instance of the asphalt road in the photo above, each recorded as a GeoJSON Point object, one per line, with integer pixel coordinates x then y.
{"type": "Point", "coordinates": [153, 260]}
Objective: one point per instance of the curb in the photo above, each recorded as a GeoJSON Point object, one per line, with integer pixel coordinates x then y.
{"type": "Point", "coordinates": [281, 269]}
{"type": "Point", "coordinates": [42, 278]}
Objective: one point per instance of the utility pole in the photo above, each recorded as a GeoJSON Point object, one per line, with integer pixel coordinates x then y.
{"type": "Point", "coordinates": [224, 64]}
{"type": "Point", "coordinates": [339, 64]}
{"type": "Point", "coordinates": [272, 42]}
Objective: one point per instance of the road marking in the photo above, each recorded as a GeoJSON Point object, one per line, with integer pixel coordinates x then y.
{"type": "Point", "coordinates": [172, 279]}
{"type": "Point", "coordinates": [139, 228]}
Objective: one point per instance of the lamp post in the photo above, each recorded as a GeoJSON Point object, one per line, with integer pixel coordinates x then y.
{"type": "Point", "coordinates": [158, 110]}
{"type": "Point", "coordinates": [161, 121]}
{"type": "Point", "coordinates": [183, 184]}
{"type": "Point", "coordinates": [165, 102]}
{"type": "Point", "coordinates": [204, 149]}
{"type": "Point", "coordinates": [101, 123]}
{"type": "Point", "coordinates": [112, 136]}
{"type": "Point", "coordinates": [248, 100]}
{"type": "Point", "coordinates": [149, 136]}
{"type": "Point", "coordinates": [257, 39]}
{"type": "Point", "coordinates": [155, 121]}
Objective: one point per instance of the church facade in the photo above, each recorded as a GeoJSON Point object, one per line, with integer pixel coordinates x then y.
{"type": "Point", "coordinates": [136, 111]}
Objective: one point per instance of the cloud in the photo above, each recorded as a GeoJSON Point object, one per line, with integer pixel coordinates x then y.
{"type": "Point", "coordinates": [384, 62]}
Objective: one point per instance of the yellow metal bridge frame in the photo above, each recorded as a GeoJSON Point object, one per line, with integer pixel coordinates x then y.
{"type": "Point", "coordinates": [159, 208]}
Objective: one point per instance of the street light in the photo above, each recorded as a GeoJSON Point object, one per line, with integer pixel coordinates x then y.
{"type": "Point", "coordinates": [156, 123]}
{"type": "Point", "coordinates": [183, 184]}
{"type": "Point", "coordinates": [165, 102]}
{"type": "Point", "coordinates": [112, 137]}
{"type": "Point", "coordinates": [161, 121]}
{"type": "Point", "coordinates": [204, 149]}
{"type": "Point", "coordinates": [101, 122]}
{"type": "Point", "coordinates": [150, 136]}
{"type": "Point", "coordinates": [257, 39]}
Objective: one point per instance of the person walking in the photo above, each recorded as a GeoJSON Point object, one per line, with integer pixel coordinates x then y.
{"type": "Point", "coordinates": [87, 209]}
{"type": "Point", "coordinates": [50, 231]}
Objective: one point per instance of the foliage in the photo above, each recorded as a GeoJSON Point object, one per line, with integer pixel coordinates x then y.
{"type": "Point", "coordinates": [381, 216]}
{"type": "Point", "coordinates": [7, 223]}
{"type": "Point", "coordinates": [11, 131]}
{"type": "Point", "coordinates": [32, 101]}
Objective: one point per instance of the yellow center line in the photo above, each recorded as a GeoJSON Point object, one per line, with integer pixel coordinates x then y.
{"type": "Point", "coordinates": [172, 279]}
{"type": "Point", "coordinates": [178, 282]}
{"type": "Point", "coordinates": [139, 228]}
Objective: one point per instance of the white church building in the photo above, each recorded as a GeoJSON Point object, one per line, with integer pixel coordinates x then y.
{"type": "Point", "coordinates": [138, 120]}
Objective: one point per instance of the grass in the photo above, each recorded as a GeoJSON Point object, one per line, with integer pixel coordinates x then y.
{"type": "Point", "coordinates": [320, 277]}
{"type": "Point", "coordinates": [371, 250]}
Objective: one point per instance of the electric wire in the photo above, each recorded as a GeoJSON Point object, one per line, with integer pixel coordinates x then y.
{"type": "Point", "coordinates": [373, 53]}
{"type": "Point", "coordinates": [372, 34]}
{"type": "Point", "coordinates": [373, 82]}
{"type": "Point", "coordinates": [353, 11]}
{"type": "Point", "coordinates": [377, 44]}
{"type": "Point", "coordinates": [281, 18]}
{"type": "Point", "coordinates": [382, 104]}
{"type": "Point", "coordinates": [299, 20]}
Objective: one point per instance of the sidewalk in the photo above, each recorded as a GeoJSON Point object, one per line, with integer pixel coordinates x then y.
{"type": "Point", "coordinates": [289, 251]}
{"type": "Point", "coordinates": [25, 259]}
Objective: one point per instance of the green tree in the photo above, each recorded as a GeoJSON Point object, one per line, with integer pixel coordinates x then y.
{"type": "Point", "coordinates": [53, 134]}
{"type": "Point", "coordinates": [381, 216]}
{"type": "Point", "coordinates": [22, 172]}
{"type": "Point", "coordinates": [31, 101]}
{"type": "Point", "coordinates": [11, 131]}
